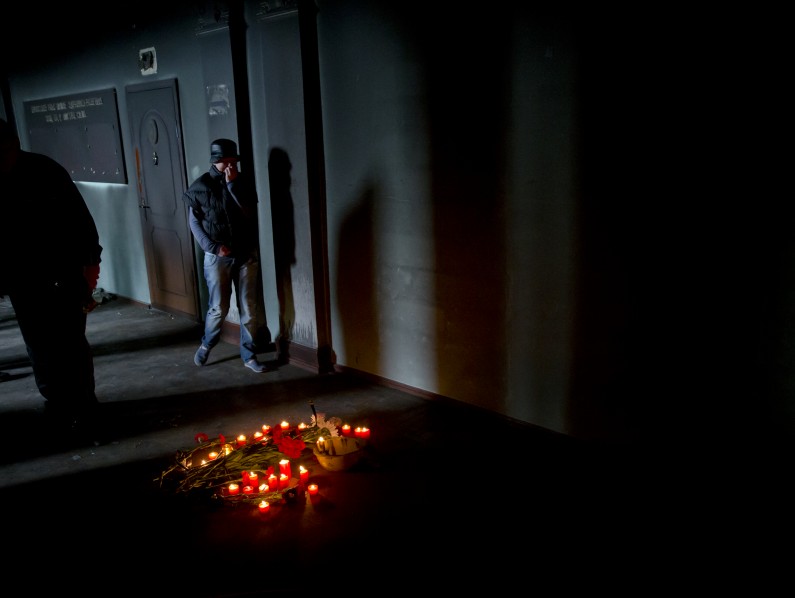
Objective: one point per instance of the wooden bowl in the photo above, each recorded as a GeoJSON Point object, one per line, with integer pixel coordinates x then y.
{"type": "Point", "coordinates": [339, 453]}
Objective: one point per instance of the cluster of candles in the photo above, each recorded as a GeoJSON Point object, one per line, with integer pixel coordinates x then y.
{"type": "Point", "coordinates": [250, 483]}
{"type": "Point", "coordinates": [273, 483]}
{"type": "Point", "coordinates": [358, 432]}
{"type": "Point", "coordinates": [343, 444]}
{"type": "Point", "coordinates": [258, 436]}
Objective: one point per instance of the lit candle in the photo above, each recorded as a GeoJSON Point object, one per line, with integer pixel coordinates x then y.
{"type": "Point", "coordinates": [284, 426]}
{"type": "Point", "coordinates": [241, 440]}
{"type": "Point", "coordinates": [258, 436]}
{"type": "Point", "coordinates": [263, 488]}
{"type": "Point", "coordinates": [212, 456]}
{"type": "Point", "coordinates": [312, 489]}
{"type": "Point", "coordinates": [253, 478]}
{"type": "Point", "coordinates": [248, 490]}
{"type": "Point", "coordinates": [273, 481]}
{"type": "Point", "coordinates": [284, 482]}
{"type": "Point", "coordinates": [264, 507]}
{"type": "Point", "coordinates": [266, 429]}
{"type": "Point", "coordinates": [346, 430]}
{"type": "Point", "coordinates": [302, 426]}
{"type": "Point", "coordinates": [364, 433]}
{"type": "Point", "coordinates": [233, 489]}
{"type": "Point", "coordinates": [284, 468]}
{"type": "Point", "coordinates": [303, 474]}
{"type": "Point", "coordinates": [321, 445]}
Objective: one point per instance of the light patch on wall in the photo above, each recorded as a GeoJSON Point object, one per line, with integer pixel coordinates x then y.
{"type": "Point", "coordinates": [147, 61]}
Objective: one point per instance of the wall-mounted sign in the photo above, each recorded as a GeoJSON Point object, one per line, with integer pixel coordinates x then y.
{"type": "Point", "coordinates": [81, 132]}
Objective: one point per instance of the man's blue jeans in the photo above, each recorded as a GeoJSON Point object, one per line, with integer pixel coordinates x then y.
{"type": "Point", "coordinates": [220, 274]}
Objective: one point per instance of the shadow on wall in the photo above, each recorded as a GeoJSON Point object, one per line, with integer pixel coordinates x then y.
{"type": "Point", "coordinates": [279, 168]}
{"type": "Point", "coordinates": [356, 288]}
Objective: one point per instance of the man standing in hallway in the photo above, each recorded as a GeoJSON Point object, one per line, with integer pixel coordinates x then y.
{"type": "Point", "coordinates": [49, 269]}
{"type": "Point", "coordinates": [223, 218]}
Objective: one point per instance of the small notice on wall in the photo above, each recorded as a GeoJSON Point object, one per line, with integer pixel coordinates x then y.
{"type": "Point", "coordinates": [81, 132]}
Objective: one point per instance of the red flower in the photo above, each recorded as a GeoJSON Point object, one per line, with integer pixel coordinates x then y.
{"type": "Point", "coordinates": [291, 447]}
{"type": "Point", "coordinates": [201, 437]}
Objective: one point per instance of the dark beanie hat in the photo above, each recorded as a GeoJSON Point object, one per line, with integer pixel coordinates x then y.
{"type": "Point", "coordinates": [222, 148]}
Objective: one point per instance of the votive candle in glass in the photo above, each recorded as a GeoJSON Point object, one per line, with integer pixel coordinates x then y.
{"type": "Point", "coordinates": [233, 489]}
{"type": "Point", "coordinates": [312, 489]}
{"type": "Point", "coordinates": [284, 467]}
{"type": "Point", "coordinates": [264, 507]}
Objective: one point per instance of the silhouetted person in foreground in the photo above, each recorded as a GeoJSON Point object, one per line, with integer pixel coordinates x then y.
{"type": "Point", "coordinates": [49, 269]}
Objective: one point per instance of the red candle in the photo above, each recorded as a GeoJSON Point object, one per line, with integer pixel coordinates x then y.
{"type": "Point", "coordinates": [303, 474]}
{"type": "Point", "coordinates": [346, 430]}
{"type": "Point", "coordinates": [284, 467]}
{"type": "Point", "coordinates": [241, 440]}
{"type": "Point", "coordinates": [364, 433]}
{"type": "Point", "coordinates": [302, 426]}
{"type": "Point", "coordinates": [253, 478]}
{"type": "Point", "coordinates": [284, 426]}
{"type": "Point", "coordinates": [263, 488]}
{"type": "Point", "coordinates": [248, 490]}
{"type": "Point", "coordinates": [284, 481]}
{"type": "Point", "coordinates": [212, 456]}
{"type": "Point", "coordinates": [273, 481]}
{"type": "Point", "coordinates": [258, 436]}
{"type": "Point", "coordinates": [266, 429]}
{"type": "Point", "coordinates": [233, 489]}
{"type": "Point", "coordinates": [264, 507]}
{"type": "Point", "coordinates": [312, 488]}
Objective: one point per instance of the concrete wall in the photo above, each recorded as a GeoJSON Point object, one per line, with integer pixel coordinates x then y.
{"type": "Point", "coordinates": [495, 233]}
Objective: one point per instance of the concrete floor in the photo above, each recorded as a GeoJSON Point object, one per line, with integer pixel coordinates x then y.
{"type": "Point", "coordinates": [447, 498]}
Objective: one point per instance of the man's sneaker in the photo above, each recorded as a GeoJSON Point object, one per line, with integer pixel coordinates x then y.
{"type": "Point", "coordinates": [256, 366]}
{"type": "Point", "coordinates": [201, 355]}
